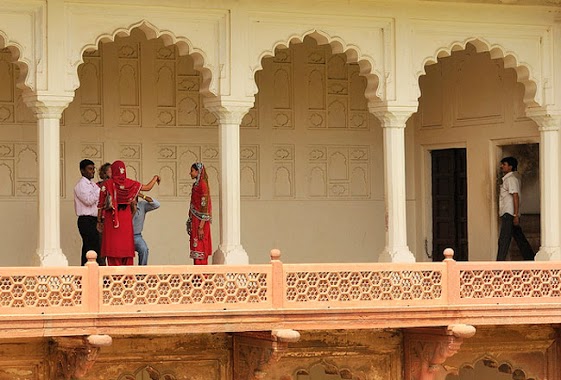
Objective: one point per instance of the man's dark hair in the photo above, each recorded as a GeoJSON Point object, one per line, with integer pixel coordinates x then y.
{"type": "Point", "coordinates": [511, 161]}
{"type": "Point", "coordinates": [85, 163]}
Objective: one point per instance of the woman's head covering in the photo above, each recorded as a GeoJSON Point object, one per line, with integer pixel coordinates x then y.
{"type": "Point", "coordinates": [119, 189]}
{"type": "Point", "coordinates": [202, 172]}
{"type": "Point", "coordinates": [201, 205]}
{"type": "Point", "coordinates": [118, 172]}
{"type": "Point", "coordinates": [126, 188]}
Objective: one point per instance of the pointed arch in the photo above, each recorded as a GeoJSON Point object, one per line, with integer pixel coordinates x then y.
{"type": "Point", "coordinates": [366, 64]}
{"type": "Point", "coordinates": [184, 45]}
{"type": "Point", "coordinates": [510, 59]}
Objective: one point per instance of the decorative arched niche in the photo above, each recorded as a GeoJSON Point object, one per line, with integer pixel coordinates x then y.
{"type": "Point", "coordinates": [184, 46]}
{"type": "Point", "coordinates": [510, 60]}
{"type": "Point", "coordinates": [487, 368]}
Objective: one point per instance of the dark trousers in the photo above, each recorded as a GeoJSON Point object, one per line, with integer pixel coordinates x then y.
{"type": "Point", "coordinates": [509, 231]}
{"type": "Point", "coordinates": [87, 226]}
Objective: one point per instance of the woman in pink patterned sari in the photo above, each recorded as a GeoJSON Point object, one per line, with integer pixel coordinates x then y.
{"type": "Point", "coordinates": [200, 216]}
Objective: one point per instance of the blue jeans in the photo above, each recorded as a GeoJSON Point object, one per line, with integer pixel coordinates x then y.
{"type": "Point", "coordinates": [142, 249]}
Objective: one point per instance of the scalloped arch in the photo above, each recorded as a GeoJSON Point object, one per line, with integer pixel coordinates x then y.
{"type": "Point", "coordinates": [510, 59]}
{"type": "Point", "coordinates": [502, 367]}
{"type": "Point", "coordinates": [184, 46]}
{"type": "Point", "coordinates": [24, 81]}
{"type": "Point", "coordinates": [373, 91]}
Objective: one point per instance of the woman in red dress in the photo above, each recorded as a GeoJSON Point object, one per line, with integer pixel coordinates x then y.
{"type": "Point", "coordinates": [115, 199]}
{"type": "Point", "coordinates": [200, 216]}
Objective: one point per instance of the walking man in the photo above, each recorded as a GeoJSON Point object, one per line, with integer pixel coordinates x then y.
{"type": "Point", "coordinates": [86, 196]}
{"type": "Point", "coordinates": [140, 208]}
{"type": "Point", "coordinates": [509, 211]}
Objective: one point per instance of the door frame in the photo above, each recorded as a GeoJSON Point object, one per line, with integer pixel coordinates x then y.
{"type": "Point", "coordinates": [425, 173]}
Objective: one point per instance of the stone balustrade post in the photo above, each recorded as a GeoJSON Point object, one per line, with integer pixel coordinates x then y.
{"type": "Point", "coordinates": [94, 287]}
{"type": "Point", "coordinates": [277, 279]}
{"type": "Point", "coordinates": [452, 275]}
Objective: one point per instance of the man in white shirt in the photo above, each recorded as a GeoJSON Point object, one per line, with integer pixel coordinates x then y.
{"type": "Point", "coordinates": [86, 197]}
{"type": "Point", "coordinates": [509, 211]}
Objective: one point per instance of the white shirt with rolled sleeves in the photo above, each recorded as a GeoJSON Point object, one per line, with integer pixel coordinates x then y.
{"type": "Point", "coordinates": [86, 197]}
{"type": "Point", "coordinates": [510, 185]}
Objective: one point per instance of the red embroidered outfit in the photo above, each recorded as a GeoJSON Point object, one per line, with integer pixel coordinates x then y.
{"type": "Point", "coordinates": [115, 198]}
{"type": "Point", "coordinates": [200, 209]}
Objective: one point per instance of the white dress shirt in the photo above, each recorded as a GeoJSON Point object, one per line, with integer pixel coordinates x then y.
{"type": "Point", "coordinates": [86, 197]}
{"type": "Point", "coordinates": [510, 185]}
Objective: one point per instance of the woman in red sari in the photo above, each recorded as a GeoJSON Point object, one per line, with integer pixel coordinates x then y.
{"type": "Point", "coordinates": [200, 216]}
{"type": "Point", "coordinates": [115, 199]}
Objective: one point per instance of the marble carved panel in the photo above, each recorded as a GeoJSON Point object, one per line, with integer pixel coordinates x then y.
{"type": "Point", "coordinates": [131, 155]}
{"type": "Point", "coordinates": [178, 84]}
{"type": "Point", "coordinates": [283, 171]}
{"type": "Point", "coordinates": [283, 113]}
{"type": "Point", "coordinates": [129, 82]}
{"type": "Point", "coordinates": [90, 92]}
{"type": "Point", "coordinates": [338, 171]}
{"type": "Point", "coordinates": [18, 169]}
{"type": "Point", "coordinates": [249, 171]}
{"type": "Point", "coordinates": [478, 90]}
{"type": "Point", "coordinates": [335, 92]}
{"type": "Point", "coordinates": [174, 163]}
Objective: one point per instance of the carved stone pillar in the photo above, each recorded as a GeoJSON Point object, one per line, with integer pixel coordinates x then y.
{"type": "Point", "coordinates": [256, 352]}
{"type": "Point", "coordinates": [426, 349]}
{"type": "Point", "coordinates": [230, 250]}
{"type": "Point", "coordinates": [393, 122]}
{"type": "Point", "coordinates": [48, 109]}
{"type": "Point", "coordinates": [549, 184]}
{"type": "Point", "coordinates": [72, 357]}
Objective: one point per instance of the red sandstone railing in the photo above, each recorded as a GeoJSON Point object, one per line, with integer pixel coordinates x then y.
{"type": "Point", "coordinates": [276, 286]}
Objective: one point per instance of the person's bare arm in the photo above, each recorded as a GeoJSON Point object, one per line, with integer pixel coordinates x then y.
{"type": "Point", "coordinates": [150, 185]}
{"type": "Point", "coordinates": [516, 201]}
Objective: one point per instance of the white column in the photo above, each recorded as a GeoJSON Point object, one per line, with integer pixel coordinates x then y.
{"type": "Point", "coordinates": [550, 249]}
{"type": "Point", "coordinates": [393, 123]}
{"type": "Point", "coordinates": [230, 250]}
{"type": "Point", "coordinates": [48, 109]}
{"type": "Point", "coordinates": [48, 246]}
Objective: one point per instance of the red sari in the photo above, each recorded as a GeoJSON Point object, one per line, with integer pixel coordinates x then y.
{"type": "Point", "coordinates": [200, 209]}
{"type": "Point", "coordinates": [115, 198]}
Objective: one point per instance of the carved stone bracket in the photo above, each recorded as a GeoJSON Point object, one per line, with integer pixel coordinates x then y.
{"type": "Point", "coordinates": [392, 116]}
{"type": "Point", "coordinates": [229, 111]}
{"type": "Point", "coordinates": [547, 120]}
{"type": "Point", "coordinates": [46, 105]}
{"type": "Point", "coordinates": [256, 352]}
{"type": "Point", "coordinates": [426, 349]}
{"type": "Point", "coordinates": [72, 357]}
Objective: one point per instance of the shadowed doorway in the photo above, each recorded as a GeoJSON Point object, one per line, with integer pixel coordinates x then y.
{"type": "Point", "coordinates": [449, 203]}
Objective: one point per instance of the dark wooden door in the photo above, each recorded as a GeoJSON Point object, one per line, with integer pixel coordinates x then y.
{"type": "Point", "coordinates": [449, 203]}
